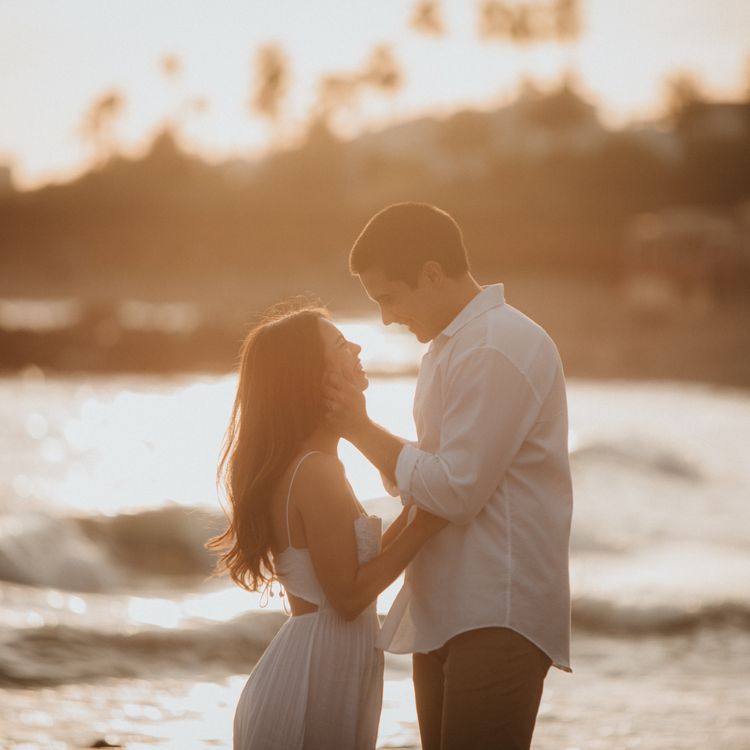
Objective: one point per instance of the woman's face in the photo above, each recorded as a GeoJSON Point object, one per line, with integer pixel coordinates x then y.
{"type": "Point", "coordinates": [342, 356]}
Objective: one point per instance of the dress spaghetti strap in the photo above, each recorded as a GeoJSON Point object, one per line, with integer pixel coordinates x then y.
{"type": "Point", "coordinates": [289, 494]}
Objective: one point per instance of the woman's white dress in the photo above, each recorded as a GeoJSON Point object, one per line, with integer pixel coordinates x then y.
{"type": "Point", "coordinates": [319, 684]}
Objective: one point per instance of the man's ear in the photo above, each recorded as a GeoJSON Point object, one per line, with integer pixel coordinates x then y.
{"type": "Point", "coordinates": [432, 274]}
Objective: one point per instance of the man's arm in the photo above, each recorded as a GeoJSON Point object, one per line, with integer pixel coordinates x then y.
{"type": "Point", "coordinates": [490, 408]}
{"type": "Point", "coordinates": [379, 446]}
{"type": "Point", "coordinates": [347, 412]}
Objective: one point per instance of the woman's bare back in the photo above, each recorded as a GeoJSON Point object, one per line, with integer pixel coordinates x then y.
{"type": "Point", "coordinates": [280, 537]}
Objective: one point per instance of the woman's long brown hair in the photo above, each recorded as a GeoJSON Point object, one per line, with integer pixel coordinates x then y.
{"type": "Point", "coordinates": [278, 404]}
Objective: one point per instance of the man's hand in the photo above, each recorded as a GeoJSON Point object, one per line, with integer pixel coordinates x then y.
{"type": "Point", "coordinates": [346, 406]}
{"type": "Point", "coordinates": [347, 415]}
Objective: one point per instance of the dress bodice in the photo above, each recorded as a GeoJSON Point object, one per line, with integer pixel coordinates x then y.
{"type": "Point", "coordinates": [294, 571]}
{"type": "Point", "coordinates": [294, 568]}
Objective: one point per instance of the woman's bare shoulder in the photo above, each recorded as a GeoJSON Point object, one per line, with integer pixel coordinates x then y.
{"type": "Point", "coordinates": [320, 478]}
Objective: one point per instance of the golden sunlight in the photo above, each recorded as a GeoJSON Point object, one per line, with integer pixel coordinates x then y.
{"type": "Point", "coordinates": [623, 56]}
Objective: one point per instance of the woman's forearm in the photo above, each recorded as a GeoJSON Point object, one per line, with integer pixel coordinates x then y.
{"type": "Point", "coordinates": [376, 575]}
{"type": "Point", "coordinates": [398, 525]}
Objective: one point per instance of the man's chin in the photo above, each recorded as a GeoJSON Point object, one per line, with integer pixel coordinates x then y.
{"type": "Point", "coordinates": [418, 334]}
{"type": "Point", "coordinates": [413, 331]}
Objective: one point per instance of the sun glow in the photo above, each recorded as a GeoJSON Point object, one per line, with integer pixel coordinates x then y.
{"type": "Point", "coordinates": [137, 443]}
{"type": "Point", "coordinates": [621, 59]}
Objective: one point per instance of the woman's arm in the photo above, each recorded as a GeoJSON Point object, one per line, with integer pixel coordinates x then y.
{"type": "Point", "coordinates": [328, 514]}
{"type": "Point", "coordinates": [380, 572]}
{"type": "Point", "coordinates": [398, 525]}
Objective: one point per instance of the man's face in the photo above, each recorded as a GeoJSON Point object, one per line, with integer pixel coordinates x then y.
{"type": "Point", "coordinates": [402, 304]}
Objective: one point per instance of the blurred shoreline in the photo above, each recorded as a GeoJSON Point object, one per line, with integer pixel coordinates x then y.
{"type": "Point", "coordinates": [604, 327]}
{"type": "Point", "coordinates": [630, 246]}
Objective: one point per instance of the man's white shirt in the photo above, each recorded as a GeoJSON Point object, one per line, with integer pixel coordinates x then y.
{"type": "Point", "coordinates": [492, 458]}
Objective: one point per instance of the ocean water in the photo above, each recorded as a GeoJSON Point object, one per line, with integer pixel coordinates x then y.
{"type": "Point", "coordinates": [111, 628]}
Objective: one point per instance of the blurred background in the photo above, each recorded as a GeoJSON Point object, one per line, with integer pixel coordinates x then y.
{"type": "Point", "coordinates": [169, 169]}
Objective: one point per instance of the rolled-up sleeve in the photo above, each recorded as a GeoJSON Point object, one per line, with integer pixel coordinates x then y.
{"type": "Point", "coordinates": [490, 406]}
{"type": "Point", "coordinates": [394, 488]}
{"type": "Point", "coordinates": [407, 460]}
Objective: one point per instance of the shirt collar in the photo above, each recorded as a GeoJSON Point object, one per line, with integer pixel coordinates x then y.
{"type": "Point", "coordinates": [490, 296]}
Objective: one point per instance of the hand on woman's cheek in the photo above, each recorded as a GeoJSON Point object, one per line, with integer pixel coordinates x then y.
{"type": "Point", "coordinates": [346, 406]}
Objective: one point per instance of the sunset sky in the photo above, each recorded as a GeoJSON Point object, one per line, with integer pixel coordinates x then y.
{"type": "Point", "coordinates": [56, 57]}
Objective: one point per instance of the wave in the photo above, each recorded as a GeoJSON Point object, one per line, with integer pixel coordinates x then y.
{"type": "Point", "coordinates": [103, 554]}
{"type": "Point", "coordinates": [57, 654]}
{"type": "Point", "coordinates": [51, 655]}
{"type": "Point", "coordinates": [132, 550]}
{"type": "Point", "coordinates": [640, 457]}
{"type": "Point", "coordinates": [605, 617]}
{"type": "Point", "coordinates": [107, 553]}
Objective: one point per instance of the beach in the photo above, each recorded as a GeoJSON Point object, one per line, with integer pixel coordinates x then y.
{"type": "Point", "coordinates": [684, 692]}
{"type": "Point", "coordinates": [110, 629]}
{"type": "Point", "coordinates": [171, 182]}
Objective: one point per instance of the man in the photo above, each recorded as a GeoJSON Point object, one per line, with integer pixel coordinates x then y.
{"type": "Point", "coordinates": [485, 606]}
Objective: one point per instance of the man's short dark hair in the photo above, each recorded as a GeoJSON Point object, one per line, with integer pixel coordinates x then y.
{"type": "Point", "coordinates": [401, 238]}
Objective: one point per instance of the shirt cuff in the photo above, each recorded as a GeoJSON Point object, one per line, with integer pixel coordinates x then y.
{"type": "Point", "coordinates": [407, 460]}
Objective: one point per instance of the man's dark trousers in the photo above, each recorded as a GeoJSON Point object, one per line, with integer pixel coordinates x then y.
{"type": "Point", "coordinates": [479, 691]}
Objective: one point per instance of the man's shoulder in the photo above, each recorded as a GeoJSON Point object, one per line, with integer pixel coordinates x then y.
{"type": "Point", "coordinates": [505, 329]}
{"type": "Point", "coordinates": [506, 332]}
{"type": "Point", "coordinates": [508, 317]}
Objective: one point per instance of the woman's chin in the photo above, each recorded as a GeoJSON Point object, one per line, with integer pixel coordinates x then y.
{"type": "Point", "coordinates": [364, 383]}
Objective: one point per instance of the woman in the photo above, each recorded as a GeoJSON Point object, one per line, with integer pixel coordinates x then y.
{"type": "Point", "coordinates": [294, 519]}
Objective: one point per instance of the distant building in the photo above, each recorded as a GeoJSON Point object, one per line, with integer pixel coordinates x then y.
{"type": "Point", "coordinates": [686, 256]}
{"type": "Point", "coordinates": [715, 121]}
{"type": "Point", "coordinates": [239, 172]}
{"type": "Point", "coordinates": [658, 139]}
{"type": "Point", "coordinates": [537, 124]}
{"type": "Point", "coordinates": [463, 145]}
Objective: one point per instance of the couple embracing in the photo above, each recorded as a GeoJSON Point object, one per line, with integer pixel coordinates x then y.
{"type": "Point", "coordinates": [484, 530]}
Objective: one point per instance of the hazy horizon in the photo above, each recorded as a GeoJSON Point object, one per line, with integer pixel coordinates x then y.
{"type": "Point", "coordinates": [55, 63]}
